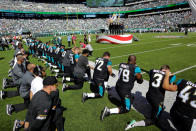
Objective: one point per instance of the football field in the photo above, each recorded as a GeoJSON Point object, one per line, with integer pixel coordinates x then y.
{"type": "Point", "coordinates": [152, 50]}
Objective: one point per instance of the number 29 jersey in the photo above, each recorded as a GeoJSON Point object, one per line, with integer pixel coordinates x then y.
{"type": "Point", "coordinates": [126, 76]}
{"type": "Point", "coordinates": [186, 98]}
{"type": "Point", "coordinates": [156, 92]}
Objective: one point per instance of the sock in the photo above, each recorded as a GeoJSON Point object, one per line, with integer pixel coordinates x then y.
{"type": "Point", "coordinates": [68, 79]}
{"type": "Point", "coordinates": [140, 123]}
{"type": "Point", "coordinates": [114, 111]}
{"type": "Point", "coordinates": [91, 95]}
{"type": "Point", "coordinates": [105, 83]}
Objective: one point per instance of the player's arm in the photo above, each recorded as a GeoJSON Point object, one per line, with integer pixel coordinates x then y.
{"type": "Point", "coordinates": [109, 66]}
{"type": "Point", "coordinates": [31, 95]}
{"type": "Point", "coordinates": [110, 69]}
{"type": "Point", "coordinates": [76, 57]}
{"type": "Point", "coordinates": [138, 75]}
{"type": "Point", "coordinates": [167, 85]}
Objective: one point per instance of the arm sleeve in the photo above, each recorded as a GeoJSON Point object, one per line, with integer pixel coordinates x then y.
{"type": "Point", "coordinates": [172, 79]}
{"type": "Point", "coordinates": [41, 117]}
{"type": "Point", "coordinates": [76, 56]}
{"type": "Point", "coordinates": [137, 70]}
{"type": "Point", "coordinates": [178, 82]}
{"type": "Point", "coordinates": [109, 63]}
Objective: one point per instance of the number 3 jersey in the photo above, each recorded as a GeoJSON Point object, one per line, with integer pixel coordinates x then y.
{"type": "Point", "coordinates": [186, 98]}
{"type": "Point", "coordinates": [101, 69]}
{"type": "Point", "coordinates": [126, 76]}
{"type": "Point", "coordinates": [156, 93]}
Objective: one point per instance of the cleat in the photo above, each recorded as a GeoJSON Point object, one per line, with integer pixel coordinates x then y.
{"type": "Point", "coordinates": [55, 70]}
{"type": "Point", "coordinates": [9, 109]}
{"type": "Point", "coordinates": [63, 79]}
{"type": "Point", "coordinates": [54, 66]}
{"type": "Point", "coordinates": [11, 61]}
{"type": "Point", "coordinates": [130, 125]}
{"type": "Point", "coordinates": [105, 112]}
{"type": "Point", "coordinates": [56, 75]}
{"type": "Point", "coordinates": [50, 68]}
{"type": "Point", "coordinates": [17, 125]}
{"type": "Point", "coordinates": [10, 75]}
{"type": "Point", "coordinates": [64, 88]}
{"type": "Point", "coordinates": [10, 70]}
{"type": "Point", "coordinates": [4, 83]}
{"type": "Point", "coordinates": [84, 97]}
{"type": "Point", "coordinates": [89, 81]}
{"type": "Point", "coordinates": [2, 95]}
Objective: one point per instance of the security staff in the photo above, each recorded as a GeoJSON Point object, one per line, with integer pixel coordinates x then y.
{"type": "Point", "coordinates": [39, 112]}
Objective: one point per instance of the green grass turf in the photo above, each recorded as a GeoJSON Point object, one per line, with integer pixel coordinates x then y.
{"type": "Point", "coordinates": [151, 53]}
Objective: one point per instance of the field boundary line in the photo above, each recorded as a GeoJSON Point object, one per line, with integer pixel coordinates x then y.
{"type": "Point", "coordinates": [185, 69]}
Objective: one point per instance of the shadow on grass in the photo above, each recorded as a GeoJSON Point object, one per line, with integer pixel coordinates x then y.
{"type": "Point", "coordinates": [1, 58]}
{"type": "Point", "coordinates": [142, 106]}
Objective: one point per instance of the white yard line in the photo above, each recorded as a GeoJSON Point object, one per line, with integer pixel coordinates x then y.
{"type": "Point", "coordinates": [147, 51]}
{"type": "Point", "coordinates": [185, 69]}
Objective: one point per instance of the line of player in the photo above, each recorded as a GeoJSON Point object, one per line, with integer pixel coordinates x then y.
{"type": "Point", "coordinates": [183, 111]}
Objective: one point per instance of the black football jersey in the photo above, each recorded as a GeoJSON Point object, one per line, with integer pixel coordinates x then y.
{"type": "Point", "coordinates": [72, 59]}
{"type": "Point", "coordinates": [186, 98]}
{"type": "Point", "coordinates": [101, 69]}
{"type": "Point", "coordinates": [126, 76]}
{"type": "Point", "coordinates": [156, 91]}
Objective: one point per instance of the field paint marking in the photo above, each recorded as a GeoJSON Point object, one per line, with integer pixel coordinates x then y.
{"type": "Point", "coordinates": [185, 69]}
{"type": "Point", "coordinates": [177, 44]}
{"type": "Point", "coordinates": [144, 52]}
{"type": "Point", "coordinates": [133, 44]}
{"type": "Point", "coordinates": [192, 45]}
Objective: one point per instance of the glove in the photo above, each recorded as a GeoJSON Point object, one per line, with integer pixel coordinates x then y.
{"type": "Point", "coordinates": [113, 75]}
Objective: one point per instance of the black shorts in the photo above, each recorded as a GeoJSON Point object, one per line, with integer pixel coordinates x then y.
{"type": "Point", "coordinates": [182, 122]}
{"type": "Point", "coordinates": [123, 97]}
{"type": "Point", "coordinates": [97, 86]}
{"type": "Point", "coordinates": [157, 107]}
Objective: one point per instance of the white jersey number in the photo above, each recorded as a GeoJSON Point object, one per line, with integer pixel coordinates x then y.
{"type": "Point", "coordinates": [157, 82]}
{"type": "Point", "coordinates": [125, 74]}
{"type": "Point", "coordinates": [99, 63]}
{"type": "Point", "coordinates": [184, 94]}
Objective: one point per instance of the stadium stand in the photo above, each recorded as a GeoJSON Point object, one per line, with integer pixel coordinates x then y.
{"type": "Point", "coordinates": [63, 7]}
{"type": "Point", "coordinates": [161, 21]}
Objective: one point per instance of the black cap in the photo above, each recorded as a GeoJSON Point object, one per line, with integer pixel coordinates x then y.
{"type": "Point", "coordinates": [50, 80]}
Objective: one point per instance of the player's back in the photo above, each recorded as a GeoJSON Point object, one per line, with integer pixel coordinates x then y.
{"type": "Point", "coordinates": [155, 85]}
{"type": "Point", "coordinates": [101, 68]}
{"type": "Point", "coordinates": [186, 98]}
{"type": "Point", "coordinates": [126, 76]}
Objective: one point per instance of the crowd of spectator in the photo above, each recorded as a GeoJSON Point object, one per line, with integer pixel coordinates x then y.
{"type": "Point", "coordinates": [63, 7]}
{"type": "Point", "coordinates": [165, 21]}
{"type": "Point", "coordinates": [160, 20]}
